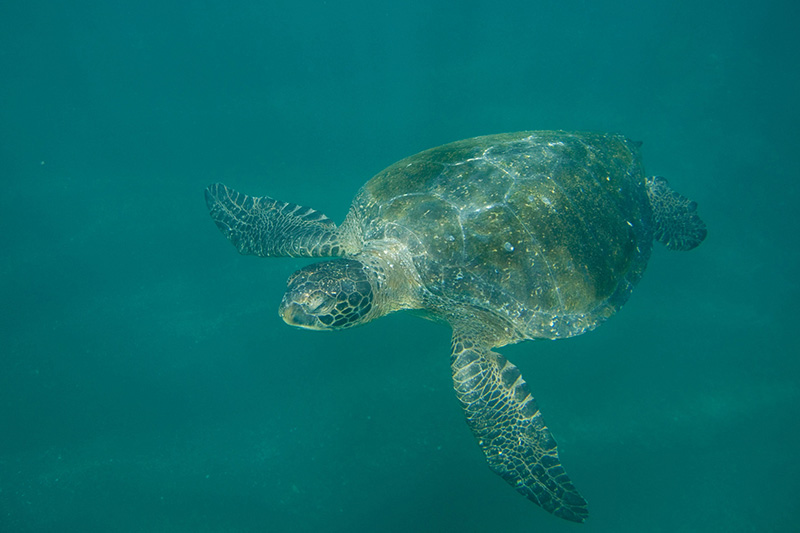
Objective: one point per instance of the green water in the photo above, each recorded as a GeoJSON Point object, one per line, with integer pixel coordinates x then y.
{"type": "Point", "coordinates": [147, 383]}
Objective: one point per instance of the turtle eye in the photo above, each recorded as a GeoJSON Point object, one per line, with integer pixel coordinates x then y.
{"type": "Point", "coordinates": [316, 301]}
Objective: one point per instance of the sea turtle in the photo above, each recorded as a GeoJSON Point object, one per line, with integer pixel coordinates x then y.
{"type": "Point", "coordinates": [530, 235]}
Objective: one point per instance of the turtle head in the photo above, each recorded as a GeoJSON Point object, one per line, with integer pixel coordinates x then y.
{"type": "Point", "coordinates": [334, 294]}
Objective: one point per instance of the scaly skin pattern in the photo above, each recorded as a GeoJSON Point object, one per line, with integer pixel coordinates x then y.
{"type": "Point", "coordinates": [509, 428]}
{"type": "Point", "coordinates": [271, 228]}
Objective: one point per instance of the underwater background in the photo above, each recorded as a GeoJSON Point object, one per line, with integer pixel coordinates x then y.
{"type": "Point", "coordinates": [147, 382]}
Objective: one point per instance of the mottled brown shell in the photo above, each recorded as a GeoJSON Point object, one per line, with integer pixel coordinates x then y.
{"type": "Point", "coordinates": [549, 231]}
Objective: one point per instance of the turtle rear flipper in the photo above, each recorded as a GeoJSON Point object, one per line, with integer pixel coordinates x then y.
{"type": "Point", "coordinates": [508, 425]}
{"type": "Point", "coordinates": [677, 224]}
{"type": "Point", "coordinates": [270, 228]}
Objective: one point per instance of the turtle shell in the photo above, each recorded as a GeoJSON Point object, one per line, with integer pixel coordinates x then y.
{"type": "Point", "coordinates": [547, 230]}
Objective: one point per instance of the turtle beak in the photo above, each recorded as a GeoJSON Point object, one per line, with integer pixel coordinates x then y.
{"type": "Point", "coordinates": [294, 315]}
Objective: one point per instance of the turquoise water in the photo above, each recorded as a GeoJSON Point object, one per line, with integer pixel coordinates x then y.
{"type": "Point", "coordinates": [147, 382]}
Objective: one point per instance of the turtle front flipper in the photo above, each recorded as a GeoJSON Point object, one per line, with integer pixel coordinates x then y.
{"type": "Point", "coordinates": [269, 228]}
{"type": "Point", "coordinates": [504, 418]}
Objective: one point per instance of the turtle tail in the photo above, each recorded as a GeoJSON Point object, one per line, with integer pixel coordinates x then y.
{"type": "Point", "coordinates": [677, 224]}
